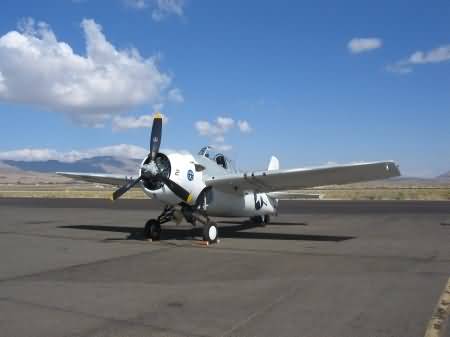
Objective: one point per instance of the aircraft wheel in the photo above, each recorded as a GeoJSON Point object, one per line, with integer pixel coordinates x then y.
{"type": "Point", "coordinates": [152, 230]}
{"type": "Point", "coordinates": [257, 219]}
{"type": "Point", "coordinates": [266, 219]}
{"type": "Point", "coordinates": [210, 232]}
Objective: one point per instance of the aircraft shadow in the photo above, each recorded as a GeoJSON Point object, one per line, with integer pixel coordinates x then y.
{"type": "Point", "coordinates": [237, 231]}
{"type": "Point", "coordinates": [270, 224]}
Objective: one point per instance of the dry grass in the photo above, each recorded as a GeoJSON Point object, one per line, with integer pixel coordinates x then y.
{"type": "Point", "coordinates": [64, 191]}
{"type": "Point", "coordinates": [387, 194]}
{"type": "Point", "coordinates": [341, 193]}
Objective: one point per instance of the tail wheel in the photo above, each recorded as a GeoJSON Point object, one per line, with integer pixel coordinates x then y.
{"type": "Point", "coordinates": [152, 230]}
{"type": "Point", "coordinates": [210, 232]}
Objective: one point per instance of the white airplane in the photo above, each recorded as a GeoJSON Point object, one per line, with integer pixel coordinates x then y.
{"type": "Point", "coordinates": [195, 187]}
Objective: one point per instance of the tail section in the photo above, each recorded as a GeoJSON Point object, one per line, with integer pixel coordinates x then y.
{"type": "Point", "coordinates": [274, 164]}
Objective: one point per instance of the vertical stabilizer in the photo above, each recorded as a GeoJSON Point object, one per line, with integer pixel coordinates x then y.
{"type": "Point", "coordinates": [274, 163]}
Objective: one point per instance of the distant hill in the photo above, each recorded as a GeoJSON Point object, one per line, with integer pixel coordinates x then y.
{"type": "Point", "coordinates": [104, 164]}
{"type": "Point", "coordinates": [43, 172]}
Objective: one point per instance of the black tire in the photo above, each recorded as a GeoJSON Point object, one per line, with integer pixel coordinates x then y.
{"type": "Point", "coordinates": [152, 230]}
{"type": "Point", "coordinates": [257, 219]}
{"type": "Point", "coordinates": [210, 232]}
{"type": "Point", "coordinates": [266, 219]}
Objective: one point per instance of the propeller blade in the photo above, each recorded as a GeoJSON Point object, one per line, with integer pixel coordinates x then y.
{"type": "Point", "coordinates": [155, 136]}
{"type": "Point", "coordinates": [123, 189]}
{"type": "Point", "coordinates": [178, 190]}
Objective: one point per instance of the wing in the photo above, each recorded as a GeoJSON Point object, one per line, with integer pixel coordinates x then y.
{"type": "Point", "coordinates": [110, 179]}
{"type": "Point", "coordinates": [294, 179]}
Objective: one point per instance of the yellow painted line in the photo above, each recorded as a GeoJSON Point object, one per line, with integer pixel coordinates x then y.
{"type": "Point", "coordinates": [438, 321]}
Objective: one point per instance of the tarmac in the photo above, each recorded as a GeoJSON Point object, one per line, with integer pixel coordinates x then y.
{"type": "Point", "coordinates": [80, 267]}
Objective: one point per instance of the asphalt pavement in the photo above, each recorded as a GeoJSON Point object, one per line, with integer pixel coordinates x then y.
{"type": "Point", "coordinates": [80, 267]}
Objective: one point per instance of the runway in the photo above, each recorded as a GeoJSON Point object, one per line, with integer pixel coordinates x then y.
{"type": "Point", "coordinates": [77, 267]}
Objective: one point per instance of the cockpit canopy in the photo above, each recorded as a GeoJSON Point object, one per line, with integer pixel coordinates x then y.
{"type": "Point", "coordinates": [210, 153]}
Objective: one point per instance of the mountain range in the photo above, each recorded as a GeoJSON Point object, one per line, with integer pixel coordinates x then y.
{"type": "Point", "coordinates": [37, 172]}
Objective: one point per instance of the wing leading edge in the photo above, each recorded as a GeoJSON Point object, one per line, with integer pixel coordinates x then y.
{"type": "Point", "coordinates": [282, 180]}
{"type": "Point", "coordinates": [100, 178]}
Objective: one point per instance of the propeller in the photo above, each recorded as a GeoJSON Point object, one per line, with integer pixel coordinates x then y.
{"type": "Point", "coordinates": [151, 171]}
{"type": "Point", "coordinates": [123, 189]}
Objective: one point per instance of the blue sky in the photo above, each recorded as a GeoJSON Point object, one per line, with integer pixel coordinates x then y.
{"type": "Point", "coordinates": [281, 77]}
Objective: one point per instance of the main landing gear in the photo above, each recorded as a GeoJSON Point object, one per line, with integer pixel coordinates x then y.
{"type": "Point", "coordinates": [152, 229]}
{"type": "Point", "coordinates": [260, 219]}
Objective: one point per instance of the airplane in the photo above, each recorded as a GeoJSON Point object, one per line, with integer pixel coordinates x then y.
{"type": "Point", "coordinates": [197, 187]}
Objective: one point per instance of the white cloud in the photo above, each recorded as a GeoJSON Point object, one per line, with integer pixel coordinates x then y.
{"type": "Point", "coordinates": [217, 130]}
{"type": "Point", "coordinates": [222, 147]}
{"type": "Point", "coordinates": [360, 45]}
{"type": "Point", "coordinates": [124, 123]}
{"type": "Point", "coordinates": [399, 68]}
{"type": "Point", "coordinates": [160, 8]}
{"type": "Point", "coordinates": [439, 54]}
{"type": "Point", "coordinates": [164, 8]}
{"type": "Point", "coordinates": [137, 4]}
{"type": "Point", "coordinates": [436, 55]}
{"type": "Point", "coordinates": [175, 95]}
{"type": "Point", "coordinates": [2, 83]}
{"type": "Point", "coordinates": [244, 126]}
{"type": "Point", "coordinates": [39, 70]}
{"type": "Point", "coordinates": [219, 139]}
{"type": "Point", "coordinates": [224, 123]}
{"type": "Point", "coordinates": [29, 154]}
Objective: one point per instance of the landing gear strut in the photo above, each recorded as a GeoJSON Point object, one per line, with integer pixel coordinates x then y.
{"type": "Point", "coordinates": [152, 228]}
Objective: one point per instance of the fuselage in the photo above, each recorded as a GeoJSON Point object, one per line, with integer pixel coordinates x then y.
{"type": "Point", "coordinates": [192, 171]}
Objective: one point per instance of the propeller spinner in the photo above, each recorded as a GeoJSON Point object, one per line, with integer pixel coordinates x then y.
{"type": "Point", "coordinates": [151, 172]}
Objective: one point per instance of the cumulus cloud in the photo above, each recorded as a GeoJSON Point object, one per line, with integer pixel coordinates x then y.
{"type": "Point", "coordinates": [37, 69]}
{"type": "Point", "coordinates": [436, 55]}
{"type": "Point", "coordinates": [160, 8]}
{"type": "Point", "coordinates": [217, 130]}
{"type": "Point", "coordinates": [165, 8]}
{"type": "Point", "coordinates": [244, 126]}
{"type": "Point", "coordinates": [124, 123]}
{"type": "Point", "coordinates": [43, 154]}
{"type": "Point", "coordinates": [137, 4]}
{"type": "Point", "coordinates": [175, 95]}
{"type": "Point", "coordinates": [222, 147]}
{"type": "Point", "coordinates": [439, 54]}
{"type": "Point", "coordinates": [399, 68]}
{"type": "Point", "coordinates": [360, 45]}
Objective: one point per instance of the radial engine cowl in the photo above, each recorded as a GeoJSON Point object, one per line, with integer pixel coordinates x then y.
{"type": "Point", "coordinates": [163, 164]}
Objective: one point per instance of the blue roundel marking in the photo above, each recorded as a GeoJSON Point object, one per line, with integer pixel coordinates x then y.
{"type": "Point", "coordinates": [190, 175]}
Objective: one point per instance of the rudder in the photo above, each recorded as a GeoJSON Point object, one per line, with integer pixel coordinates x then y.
{"type": "Point", "coordinates": [274, 164]}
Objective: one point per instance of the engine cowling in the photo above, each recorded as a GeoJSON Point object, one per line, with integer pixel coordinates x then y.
{"type": "Point", "coordinates": [163, 164]}
{"type": "Point", "coordinates": [179, 167]}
